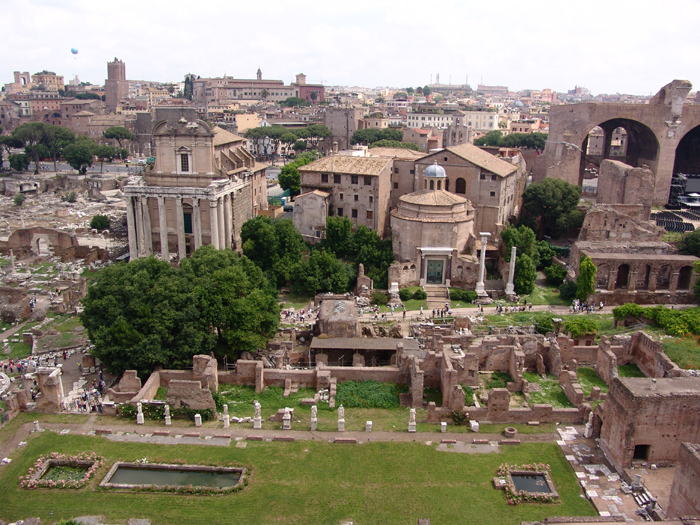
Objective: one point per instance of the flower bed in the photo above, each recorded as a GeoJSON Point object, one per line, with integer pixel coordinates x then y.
{"type": "Point", "coordinates": [515, 496]}
{"type": "Point", "coordinates": [59, 471]}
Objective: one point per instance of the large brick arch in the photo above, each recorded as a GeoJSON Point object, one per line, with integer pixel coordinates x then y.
{"type": "Point", "coordinates": [666, 117]}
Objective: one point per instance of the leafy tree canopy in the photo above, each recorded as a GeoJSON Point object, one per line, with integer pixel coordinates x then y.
{"type": "Point", "coordinates": [690, 245]}
{"type": "Point", "coordinates": [525, 275]}
{"type": "Point", "coordinates": [492, 138]}
{"type": "Point", "coordinates": [291, 102]}
{"type": "Point", "coordinates": [99, 222]}
{"type": "Point", "coordinates": [370, 136]}
{"type": "Point", "coordinates": [19, 162]}
{"type": "Point", "coordinates": [290, 178]}
{"type": "Point", "coordinates": [80, 154]}
{"type": "Point", "coordinates": [146, 313]}
{"type": "Point", "coordinates": [384, 143]}
{"type": "Point", "coordinates": [553, 204]}
{"type": "Point", "coordinates": [585, 282]}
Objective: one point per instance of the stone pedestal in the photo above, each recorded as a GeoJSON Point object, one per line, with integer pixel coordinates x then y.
{"type": "Point", "coordinates": [168, 422]}
{"type": "Point", "coordinates": [411, 427]}
{"type": "Point", "coordinates": [314, 422]}
{"type": "Point", "coordinates": [341, 425]}
{"type": "Point", "coordinates": [257, 423]}
{"type": "Point", "coordinates": [36, 426]}
{"type": "Point", "coordinates": [287, 423]}
{"type": "Point", "coordinates": [226, 410]}
{"type": "Point", "coordinates": [588, 431]}
{"type": "Point", "coordinates": [227, 421]}
{"type": "Point", "coordinates": [368, 426]}
{"type": "Point", "coordinates": [474, 425]}
{"type": "Point", "coordinates": [139, 419]}
{"type": "Point", "coordinates": [197, 420]}
{"type": "Point", "coordinates": [443, 427]}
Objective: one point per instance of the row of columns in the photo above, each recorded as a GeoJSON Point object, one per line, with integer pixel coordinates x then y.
{"type": "Point", "coordinates": [632, 279]}
{"type": "Point", "coordinates": [139, 225]}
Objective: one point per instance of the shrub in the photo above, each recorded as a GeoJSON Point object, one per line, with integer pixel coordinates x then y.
{"type": "Point", "coordinates": [99, 222]}
{"type": "Point", "coordinates": [468, 395]}
{"type": "Point", "coordinates": [466, 296]}
{"type": "Point", "coordinates": [499, 380]}
{"type": "Point", "coordinates": [579, 326]}
{"type": "Point", "coordinates": [555, 274]}
{"type": "Point", "coordinates": [19, 199]}
{"type": "Point", "coordinates": [627, 310]}
{"type": "Point", "coordinates": [71, 197]}
{"type": "Point", "coordinates": [459, 417]}
{"type": "Point", "coordinates": [567, 291]}
{"type": "Point", "coordinates": [380, 298]}
{"type": "Point", "coordinates": [405, 294]}
{"type": "Point", "coordinates": [420, 295]}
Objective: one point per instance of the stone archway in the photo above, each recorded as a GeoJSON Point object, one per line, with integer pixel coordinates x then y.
{"type": "Point", "coordinates": [663, 277]}
{"type": "Point", "coordinates": [687, 159]}
{"type": "Point", "coordinates": [637, 145]}
{"type": "Point", "coordinates": [684, 277]}
{"type": "Point", "coordinates": [623, 276]}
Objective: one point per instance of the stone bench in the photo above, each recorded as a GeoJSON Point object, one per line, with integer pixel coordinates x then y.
{"type": "Point", "coordinates": [255, 438]}
{"type": "Point", "coordinates": [161, 432]}
{"type": "Point", "coordinates": [222, 436]}
{"type": "Point", "coordinates": [480, 441]}
{"type": "Point", "coordinates": [510, 442]}
{"type": "Point", "coordinates": [283, 438]}
{"type": "Point", "coordinates": [103, 431]}
{"type": "Point", "coordinates": [345, 440]}
{"type": "Point", "coordinates": [191, 435]}
{"type": "Point", "coordinates": [448, 441]}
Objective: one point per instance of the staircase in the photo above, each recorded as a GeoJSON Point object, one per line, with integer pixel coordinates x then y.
{"type": "Point", "coordinates": [437, 296]}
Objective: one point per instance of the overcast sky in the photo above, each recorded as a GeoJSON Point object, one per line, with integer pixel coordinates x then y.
{"type": "Point", "coordinates": [609, 46]}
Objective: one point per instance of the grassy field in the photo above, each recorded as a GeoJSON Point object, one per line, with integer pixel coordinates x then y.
{"type": "Point", "coordinates": [300, 483]}
{"type": "Point", "coordinates": [630, 370]}
{"type": "Point", "coordinates": [551, 393]}
{"type": "Point", "coordinates": [684, 351]}
{"type": "Point", "coordinates": [588, 378]}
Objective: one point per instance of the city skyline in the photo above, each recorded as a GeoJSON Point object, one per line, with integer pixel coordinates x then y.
{"type": "Point", "coordinates": [626, 47]}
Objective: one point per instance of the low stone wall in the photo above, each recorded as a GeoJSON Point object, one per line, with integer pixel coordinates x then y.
{"type": "Point", "coordinates": [541, 413]}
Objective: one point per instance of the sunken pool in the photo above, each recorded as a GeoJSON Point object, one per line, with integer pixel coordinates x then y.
{"type": "Point", "coordinates": [534, 482]}
{"type": "Point", "coordinates": [155, 476]}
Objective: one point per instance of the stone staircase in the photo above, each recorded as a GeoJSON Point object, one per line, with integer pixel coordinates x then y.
{"type": "Point", "coordinates": [437, 296]}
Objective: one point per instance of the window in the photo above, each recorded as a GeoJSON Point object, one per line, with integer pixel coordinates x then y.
{"type": "Point", "coordinates": [340, 212]}
{"type": "Point", "coordinates": [396, 170]}
{"type": "Point", "coordinates": [482, 176]}
{"type": "Point", "coordinates": [184, 163]}
{"type": "Point", "coordinates": [370, 214]}
{"type": "Point", "coordinates": [412, 172]}
{"type": "Point", "coordinates": [445, 159]}
{"type": "Point", "coordinates": [396, 185]}
{"type": "Point", "coordinates": [493, 177]}
{"type": "Point", "coordinates": [354, 214]}
{"type": "Point", "coordinates": [461, 186]}
{"type": "Point", "coordinates": [357, 198]}
{"type": "Point", "coordinates": [324, 177]}
{"type": "Point", "coordinates": [432, 184]}
{"type": "Point", "coordinates": [368, 181]}
{"type": "Point", "coordinates": [341, 196]}
{"type": "Point", "coordinates": [493, 194]}
{"type": "Point", "coordinates": [336, 179]}
{"type": "Point", "coordinates": [371, 199]}
{"type": "Point", "coordinates": [353, 179]}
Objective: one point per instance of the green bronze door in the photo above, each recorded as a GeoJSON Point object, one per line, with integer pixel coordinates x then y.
{"type": "Point", "coordinates": [435, 268]}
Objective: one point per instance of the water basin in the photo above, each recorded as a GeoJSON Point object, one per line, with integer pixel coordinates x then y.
{"type": "Point", "coordinates": [134, 475]}
{"type": "Point", "coordinates": [531, 483]}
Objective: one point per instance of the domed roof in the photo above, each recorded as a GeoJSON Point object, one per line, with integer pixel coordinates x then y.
{"type": "Point", "coordinates": [517, 104]}
{"type": "Point", "coordinates": [435, 171]}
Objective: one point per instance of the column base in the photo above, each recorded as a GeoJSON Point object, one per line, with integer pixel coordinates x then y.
{"type": "Point", "coordinates": [257, 423]}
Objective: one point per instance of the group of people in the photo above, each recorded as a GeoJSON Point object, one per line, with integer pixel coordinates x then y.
{"type": "Point", "coordinates": [289, 315]}
{"type": "Point", "coordinates": [31, 363]}
{"type": "Point", "coordinates": [442, 312]}
{"type": "Point", "coordinates": [90, 399]}
{"type": "Point", "coordinates": [580, 307]}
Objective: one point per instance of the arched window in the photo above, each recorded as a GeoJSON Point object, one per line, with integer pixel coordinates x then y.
{"type": "Point", "coordinates": [461, 186]}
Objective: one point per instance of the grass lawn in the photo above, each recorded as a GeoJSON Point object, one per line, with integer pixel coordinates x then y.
{"type": "Point", "coordinates": [294, 301]}
{"type": "Point", "coordinates": [630, 370]}
{"type": "Point", "coordinates": [543, 295]}
{"type": "Point", "coordinates": [684, 351]}
{"type": "Point", "coordinates": [302, 482]}
{"type": "Point", "coordinates": [551, 393]}
{"type": "Point", "coordinates": [588, 378]}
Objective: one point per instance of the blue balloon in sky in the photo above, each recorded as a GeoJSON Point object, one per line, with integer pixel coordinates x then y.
{"type": "Point", "coordinates": [74, 50]}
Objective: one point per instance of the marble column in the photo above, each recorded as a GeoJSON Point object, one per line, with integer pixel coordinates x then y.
{"type": "Point", "coordinates": [131, 227]}
{"type": "Point", "coordinates": [227, 220]}
{"type": "Point", "coordinates": [181, 245]}
{"type": "Point", "coordinates": [222, 229]}
{"type": "Point", "coordinates": [480, 288]}
{"type": "Point", "coordinates": [214, 220]}
{"type": "Point", "coordinates": [632, 280]}
{"type": "Point", "coordinates": [510, 287]}
{"type": "Point", "coordinates": [196, 222]}
{"type": "Point", "coordinates": [139, 228]}
{"type": "Point", "coordinates": [163, 227]}
{"type": "Point", "coordinates": [148, 240]}
{"type": "Point", "coordinates": [612, 279]}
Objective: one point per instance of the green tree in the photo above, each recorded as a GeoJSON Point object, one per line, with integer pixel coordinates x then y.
{"type": "Point", "coordinates": [322, 272]}
{"type": "Point", "coordinates": [275, 246]}
{"type": "Point", "coordinates": [492, 138]}
{"type": "Point", "coordinates": [419, 90]}
{"type": "Point", "coordinates": [290, 178]}
{"type": "Point", "coordinates": [57, 138]}
{"type": "Point", "coordinates": [690, 245]}
{"type": "Point", "coordinates": [19, 162]}
{"type": "Point", "coordinates": [119, 134]}
{"type": "Point", "coordinates": [288, 140]}
{"type": "Point", "coordinates": [314, 133]}
{"type": "Point", "coordinates": [523, 238]}
{"type": "Point", "coordinates": [525, 275]}
{"type": "Point", "coordinates": [552, 204]}
{"type": "Point", "coordinates": [384, 143]}
{"type": "Point", "coordinates": [534, 141]}
{"type": "Point", "coordinates": [555, 274]}
{"type": "Point", "coordinates": [33, 136]}
{"type": "Point", "coordinates": [80, 154]}
{"type": "Point", "coordinates": [585, 282]}
{"type": "Point", "coordinates": [291, 102]}
{"type": "Point", "coordinates": [99, 222]}
{"type": "Point", "coordinates": [105, 152]}
{"type": "Point", "coordinates": [7, 143]}
{"type": "Point", "coordinates": [313, 95]}
{"type": "Point", "coordinates": [427, 90]}
{"type": "Point", "coordinates": [410, 91]}
{"type": "Point", "coordinates": [299, 145]}
{"type": "Point", "coordinates": [400, 95]}
{"type": "Point", "coordinates": [19, 199]}
{"type": "Point", "coordinates": [339, 236]}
